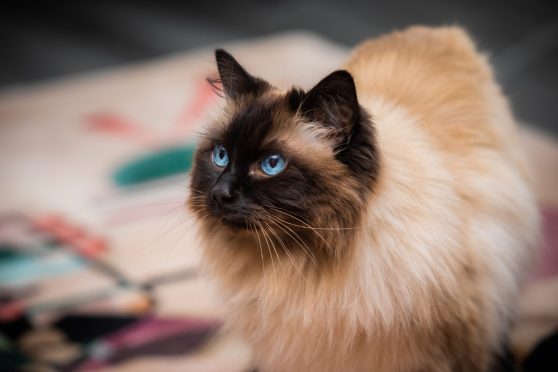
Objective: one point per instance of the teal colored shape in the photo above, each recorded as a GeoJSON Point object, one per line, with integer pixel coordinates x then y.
{"type": "Point", "coordinates": [25, 268]}
{"type": "Point", "coordinates": [163, 163]}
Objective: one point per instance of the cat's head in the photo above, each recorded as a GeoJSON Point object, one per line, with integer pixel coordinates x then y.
{"type": "Point", "coordinates": [295, 166]}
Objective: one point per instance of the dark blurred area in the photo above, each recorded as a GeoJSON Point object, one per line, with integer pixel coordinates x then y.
{"type": "Point", "coordinates": [46, 40]}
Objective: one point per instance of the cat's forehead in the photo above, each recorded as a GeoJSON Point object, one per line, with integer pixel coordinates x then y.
{"type": "Point", "coordinates": [255, 122]}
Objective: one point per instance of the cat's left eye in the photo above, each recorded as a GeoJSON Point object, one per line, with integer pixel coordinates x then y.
{"type": "Point", "coordinates": [273, 164]}
{"type": "Point", "coordinates": [220, 156]}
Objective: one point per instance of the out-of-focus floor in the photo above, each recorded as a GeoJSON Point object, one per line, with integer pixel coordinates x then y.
{"type": "Point", "coordinates": [43, 41]}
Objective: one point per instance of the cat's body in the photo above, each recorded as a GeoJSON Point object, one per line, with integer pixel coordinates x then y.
{"type": "Point", "coordinates": [417, 257]}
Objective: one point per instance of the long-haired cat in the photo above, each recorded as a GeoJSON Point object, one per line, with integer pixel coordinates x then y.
{"type": "Point", "coordinates": [381, 221]}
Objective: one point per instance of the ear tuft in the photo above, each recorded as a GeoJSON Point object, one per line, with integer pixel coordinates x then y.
{"type": "Point", "coordinates": [295, 96]}
{"type": "Point", "coordinates": [234, 78]}
{"type": "Point", "coordinates": [333, 102]}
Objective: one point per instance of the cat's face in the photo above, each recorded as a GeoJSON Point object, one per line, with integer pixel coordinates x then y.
{"type": "Point", "coordinates": [284, 163]}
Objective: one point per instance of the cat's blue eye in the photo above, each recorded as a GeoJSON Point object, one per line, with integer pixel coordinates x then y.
{"type": "Point", "coordinates": [273, 164]}
{"type": "Point", "coordinates": [220, 156]}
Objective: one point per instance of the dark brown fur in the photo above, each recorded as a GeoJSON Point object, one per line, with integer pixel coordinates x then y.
{"type": "Point", "coordinates": [303, 191]}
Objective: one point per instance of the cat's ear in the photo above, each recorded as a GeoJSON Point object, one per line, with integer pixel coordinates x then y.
{"type": "Point", "coordinates": [333, 102]}
{"type": "Point", "coordinates": [234, 78]}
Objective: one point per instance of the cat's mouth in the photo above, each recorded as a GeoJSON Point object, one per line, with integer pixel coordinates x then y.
{"type": "Point", "coordinates": [235, 221]}
{"type": "Point", "coordinates": [231, 217]}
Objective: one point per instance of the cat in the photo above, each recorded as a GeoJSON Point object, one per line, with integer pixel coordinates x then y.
{"type": "Point", "coordinates": [381, 221]}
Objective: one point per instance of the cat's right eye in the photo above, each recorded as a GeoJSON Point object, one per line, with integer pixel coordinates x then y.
{"type": "Point", "coordinates": [220, 156]}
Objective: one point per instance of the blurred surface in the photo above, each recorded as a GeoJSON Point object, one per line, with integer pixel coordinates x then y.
{"type": "Point", "coordinates": [62, 148]}
{"type": "Point", "coordinates": [52, 39]}
{"type": "Point", "coordinates": [67, 128]}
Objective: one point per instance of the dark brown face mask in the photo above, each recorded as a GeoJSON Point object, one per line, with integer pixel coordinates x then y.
{"type": "Point", "coordinates": [245, 173]}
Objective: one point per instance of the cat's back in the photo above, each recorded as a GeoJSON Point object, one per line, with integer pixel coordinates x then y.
{"type": "Point", "coordinates": [439, 78]}
{"type": "Point", "coordinates": [433, 81]}
{"type": "Point", "coordinates": [432, 95]}
{"type": "Point", "coordinates": [449, 153]}
{"type": "Point", "coordinates": [418, 64]}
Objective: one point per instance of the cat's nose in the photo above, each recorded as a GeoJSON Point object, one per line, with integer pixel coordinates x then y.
{"type": "Point", "coordinates": [221, 193]}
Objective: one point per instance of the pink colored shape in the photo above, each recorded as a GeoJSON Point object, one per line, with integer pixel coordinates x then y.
{"type": "Point", "coordinates": [119, 127]}
{"type": "Point", "coordinates": [548, 261]}
{"type": "Point", "coordinates": [193, 110]}
{"type": "Point", "coordinates": [152, 329]}
{"type": "Point", "coordinates": [74, 236]}
{"type": "Point", "coordinates": [90, 246]}
{"type": "Point", "coordinates": [11, 311]}
{"type": "Point", "coordinates": [49, 222]}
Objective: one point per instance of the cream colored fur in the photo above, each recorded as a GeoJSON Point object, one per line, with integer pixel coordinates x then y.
{"type": "Point", "coordinates": [449, 232]}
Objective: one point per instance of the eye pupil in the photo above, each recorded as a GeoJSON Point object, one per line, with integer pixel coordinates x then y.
{"type": "Point", "coordinates": [221, 153]}
{"type": "Point", "coordinates": [273, 161]}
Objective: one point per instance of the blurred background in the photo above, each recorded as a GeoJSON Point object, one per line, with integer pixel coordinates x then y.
{"type": "Point", "coordinates": [100, 103]}
{"type": "Point", "coordinates": [46, 40]}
